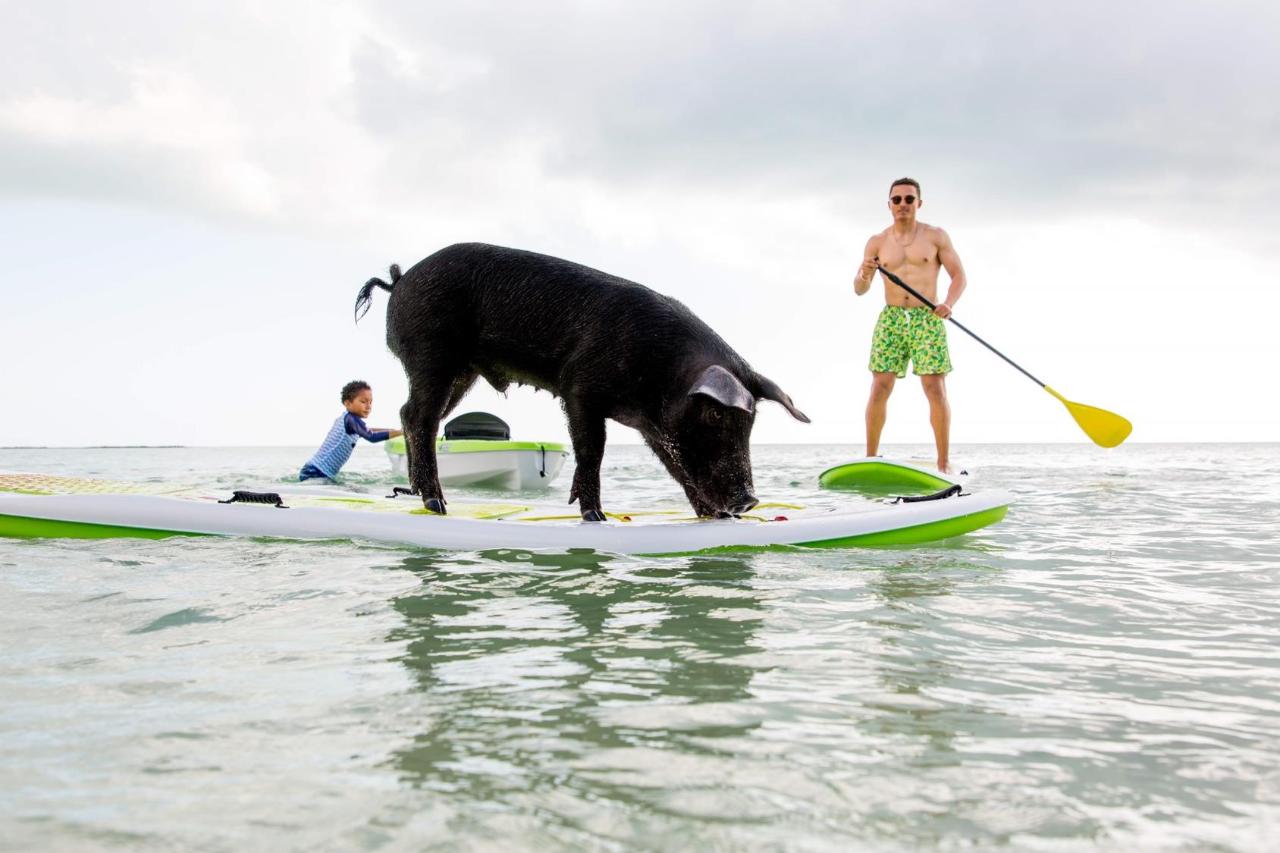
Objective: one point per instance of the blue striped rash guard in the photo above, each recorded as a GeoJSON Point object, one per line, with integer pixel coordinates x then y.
{"type": "Point", "coordinates": [336, 448]}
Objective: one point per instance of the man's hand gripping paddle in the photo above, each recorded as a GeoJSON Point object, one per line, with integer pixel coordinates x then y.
{"type": "Point", "coordinates": [1107, 429]}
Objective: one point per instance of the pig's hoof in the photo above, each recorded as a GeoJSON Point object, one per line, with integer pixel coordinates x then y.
{"type": "Point", "coordinates": [592, 515]}
{"type": "Point", "coordinates": [435, 505]}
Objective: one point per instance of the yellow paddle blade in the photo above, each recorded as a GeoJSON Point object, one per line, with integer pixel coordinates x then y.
{"type": "Point", "coordinates": [1107, 429]}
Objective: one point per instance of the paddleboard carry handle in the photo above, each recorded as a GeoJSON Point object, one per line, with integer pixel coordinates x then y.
{"type": "Point", "coordinates": [245, 497]}
{"type": "Point", "coordinates": [941, 494]}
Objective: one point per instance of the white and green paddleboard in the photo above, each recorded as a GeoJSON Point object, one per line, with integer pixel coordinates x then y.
{"type": "Point", "coordinates": [38, 505]}
{"type": "Point", "coordinates": [877, 476]}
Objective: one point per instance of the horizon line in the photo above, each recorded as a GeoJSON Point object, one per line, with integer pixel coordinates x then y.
{"type": "Point", "coordinates": [621, 444]}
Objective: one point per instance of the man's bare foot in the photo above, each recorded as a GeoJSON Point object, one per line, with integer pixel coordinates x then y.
{"type": "Point", "coordinates": [944, 467]}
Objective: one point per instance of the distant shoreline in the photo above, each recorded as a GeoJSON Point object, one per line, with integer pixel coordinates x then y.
{"type": "Point", "coordinates": [98, 446]}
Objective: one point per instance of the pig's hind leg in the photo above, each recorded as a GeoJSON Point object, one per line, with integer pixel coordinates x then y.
{"type": "Point", "coordinates": [460, 389]}
{"type": "Point", "coordinates": [587, 431]}
{"type": "Point", "coordinates": [430, 400]}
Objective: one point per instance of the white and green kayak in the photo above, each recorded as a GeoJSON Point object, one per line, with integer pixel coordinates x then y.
{"type": "Point", "coordinates": [517, 465]}
{"type": "Point", "coordinates": [476, 450]}
{"type": "Point", "coordinates": [37, 505]}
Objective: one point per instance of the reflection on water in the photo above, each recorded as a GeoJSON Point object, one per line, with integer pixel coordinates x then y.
{"type": "Point", "coordinates": [536, 664]}
{"type": "Point", "coordinates": [909, 662]}
{"type": "Point", "coordinates": [1096, 671]}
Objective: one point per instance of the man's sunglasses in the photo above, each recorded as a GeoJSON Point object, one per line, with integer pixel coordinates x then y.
{"type": "Point", "coordinates": [899, 199]}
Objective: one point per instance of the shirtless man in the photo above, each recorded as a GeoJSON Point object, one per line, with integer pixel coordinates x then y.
{"type": "Point", "coordinates": [907, 330]}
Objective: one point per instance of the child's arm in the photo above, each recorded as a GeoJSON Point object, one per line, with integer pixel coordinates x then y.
{"type": "Point", "coordinates": [356, 426]}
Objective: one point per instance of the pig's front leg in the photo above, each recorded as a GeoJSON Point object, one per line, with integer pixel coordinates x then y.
{"type": "Point", "coordinates": [586, 430]}
{"type": "Point", "coordinates": [420, 439]}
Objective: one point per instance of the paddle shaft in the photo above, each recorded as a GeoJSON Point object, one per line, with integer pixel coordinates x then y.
{"type": "Point", "coordinates": [909, 289]}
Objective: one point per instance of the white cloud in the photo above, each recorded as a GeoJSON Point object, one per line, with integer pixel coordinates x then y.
{"type": "Point", "coordinates": [334, 113]}
{"type": "Point", "coordinates": [183, 133]}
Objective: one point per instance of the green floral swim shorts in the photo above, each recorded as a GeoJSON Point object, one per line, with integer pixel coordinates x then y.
{"type": "Point", "coordinates": [915, 335]}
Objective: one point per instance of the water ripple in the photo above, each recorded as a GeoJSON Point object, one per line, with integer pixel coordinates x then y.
{"type": "Point", "coordinates": [1098, 671]}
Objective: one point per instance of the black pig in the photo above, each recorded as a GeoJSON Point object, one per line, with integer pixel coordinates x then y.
{"type": "Point", "coordinates": [607, 347]}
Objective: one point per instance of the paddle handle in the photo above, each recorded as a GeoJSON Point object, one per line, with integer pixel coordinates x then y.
{"type": "Point", "coordinates": [909, 289]}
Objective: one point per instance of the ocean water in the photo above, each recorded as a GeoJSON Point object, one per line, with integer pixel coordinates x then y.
{"type": "Point", "coordinates": [1098, 671]}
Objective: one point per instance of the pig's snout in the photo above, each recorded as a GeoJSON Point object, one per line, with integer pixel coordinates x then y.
{"type": "Point", "coordinates": [743, 503]}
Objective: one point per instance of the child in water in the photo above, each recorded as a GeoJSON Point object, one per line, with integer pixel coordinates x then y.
{"type": "Point", "coordinates": [357, 399]}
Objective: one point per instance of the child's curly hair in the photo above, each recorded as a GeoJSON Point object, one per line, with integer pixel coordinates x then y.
{"type": "Point", "coordinates": [351, 389]}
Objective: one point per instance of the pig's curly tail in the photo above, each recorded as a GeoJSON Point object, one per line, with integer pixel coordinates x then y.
{"type": "Point", "coordinates": [364, 298]}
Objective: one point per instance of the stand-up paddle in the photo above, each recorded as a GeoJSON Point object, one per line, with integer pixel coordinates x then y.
{"type": "Point", "coordinates": [1107, 429]}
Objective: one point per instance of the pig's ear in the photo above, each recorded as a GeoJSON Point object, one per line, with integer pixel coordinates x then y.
{"type": "Point", "coordinates": [723, 387]}
{"type": "Point", "coordinates": [770, 391]}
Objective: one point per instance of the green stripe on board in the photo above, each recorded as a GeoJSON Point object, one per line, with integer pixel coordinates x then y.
{"type": "Point", "coordinates": [919, 534]}
{"type": "Point", "coordinates": [22, 527]}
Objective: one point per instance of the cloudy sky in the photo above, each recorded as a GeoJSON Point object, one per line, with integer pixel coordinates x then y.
{"type": "Point", "coordinates": [191, 194]}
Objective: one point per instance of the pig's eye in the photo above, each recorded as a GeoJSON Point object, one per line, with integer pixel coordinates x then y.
{"type": "Point", "coordinates": [713, 416]}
